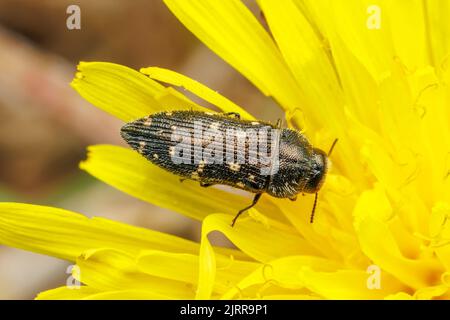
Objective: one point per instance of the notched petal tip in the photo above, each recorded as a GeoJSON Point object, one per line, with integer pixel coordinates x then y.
{"type": "Point", "coordinates": [121, 91]}
{"type": "Point", "coordinates": [79, 75]}
{"type": "Point", "coordinates": [82, 64]}
{"type": "Point", "coordinates": [200, 90]}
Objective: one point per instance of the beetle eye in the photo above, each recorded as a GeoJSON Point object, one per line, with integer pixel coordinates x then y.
{"type": "Point", "coordinates": [318, 171]}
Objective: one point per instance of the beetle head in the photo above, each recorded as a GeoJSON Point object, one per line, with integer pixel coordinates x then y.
{"type": "Point", "coordinates": [318, 166]}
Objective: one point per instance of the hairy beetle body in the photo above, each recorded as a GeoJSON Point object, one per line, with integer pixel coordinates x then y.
{"type": "Point", "coordinates": [153, 137]}
{"type": "Point", "coordinates": [215, 148]}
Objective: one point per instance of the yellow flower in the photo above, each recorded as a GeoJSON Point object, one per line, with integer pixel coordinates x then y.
{"type": "Point", "coordinates": [382, 225]}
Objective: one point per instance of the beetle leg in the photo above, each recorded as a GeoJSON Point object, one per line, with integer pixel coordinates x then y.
{"type": "Point", "coordinates": [235, 114]}
{"type": "Point", "coordinates": [255, 200]}
{"type": "Point", "coordinates": [278, 125]}
{"type": "Point", "coordinates": [332, 146]}
{"type": "Point", "coordinates": [182, 179]}
{"type": "Point", "coordinates": [311, 219]}
{"type": "Point", "coordinates": [293, 198]}
{"type": "Point", "coordinates": [205, 184]}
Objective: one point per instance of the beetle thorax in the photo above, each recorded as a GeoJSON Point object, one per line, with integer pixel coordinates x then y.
{"type": "Point", "coordinates": [290, 176]}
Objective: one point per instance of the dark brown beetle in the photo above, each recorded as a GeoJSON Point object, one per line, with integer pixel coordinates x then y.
{"type": "Point", "coordinates": [168, 139]}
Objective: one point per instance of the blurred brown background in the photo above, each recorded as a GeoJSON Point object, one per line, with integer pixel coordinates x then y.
{"type": "Point", "coordinates": [45, 126]}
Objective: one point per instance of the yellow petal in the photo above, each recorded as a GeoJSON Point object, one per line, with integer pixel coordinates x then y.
{"type": "Point", "coordinates": [291, 297]}
{"type": "Point", "coordinates": [124, 92]}
{"type": "Point", "coordinates": [281, 272]}
{"type": "Point", "coordinates": [298, 213]}
{"type": "Point", "coordinates": [175, 266]}
{"type": "Point", "coordinates": [399, 296]}
{"type": "Point", "coordinates": [313, 16]}
{"type": "Point", "coordinates": [306, 57]}
{"type": "Point", "coordinates": [439, 226]}
{"type": "Point", "coordinates": [409, 31]}
{"type": "Point", "coordinates": [379, 245]}
{"type": "Point", "coordinates": [66, 234]}
{"type": "Point", "coordinates": [354, 26]}
{"type": "Point", "coordinates": [202, 91]}
{"type": "Point", "coordinates": [131, 173]}
{"type": "Point", "coordinates": [185, 267]}
{"type": "Point", "coordinates": [113, 270]}
{"type": "Point", "coordinates": [347, 284]}
{"type": "Point", "coordinates": [231, 31]}
{"type": "Point", "coordinates": [67, 293]}
{"type": "Point", "coordinates": [207, 267]}
{"type": "Point", "coordinates": [437, 14]}
{"type": "Point", "coordinates": [261, 241]}
{"type": "Point", "coordinates": [127, 295]}
{"type": "Point", "coordinates": [373, 204]}
{"type": "Point", "coordinates": [229, 271]}
{"type": "Point", "coordinates": [428, 293]}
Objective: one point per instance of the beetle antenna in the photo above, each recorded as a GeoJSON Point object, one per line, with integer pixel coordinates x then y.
{"type": "Point", "coordinates": [332, 146]}
{"type": "Point", "coordinates": [311, 220]}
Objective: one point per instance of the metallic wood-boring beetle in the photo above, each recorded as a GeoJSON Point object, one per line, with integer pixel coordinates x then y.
{"type": "Point", "coordinates": [300, 168]}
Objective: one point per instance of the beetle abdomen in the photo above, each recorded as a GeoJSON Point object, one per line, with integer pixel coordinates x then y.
{"type": "Point", "coordinates": [207, 147]}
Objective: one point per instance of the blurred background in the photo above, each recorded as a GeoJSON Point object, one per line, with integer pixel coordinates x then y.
{"type": "Point", "coordinates": [45, 126]}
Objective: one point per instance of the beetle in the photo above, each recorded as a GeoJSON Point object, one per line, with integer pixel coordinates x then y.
{"type": "Point", "coordinates": [183, 142]}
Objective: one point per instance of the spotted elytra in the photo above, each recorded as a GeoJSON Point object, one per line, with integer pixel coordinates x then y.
{"type": "Point", "coordinates": [220, 148]}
